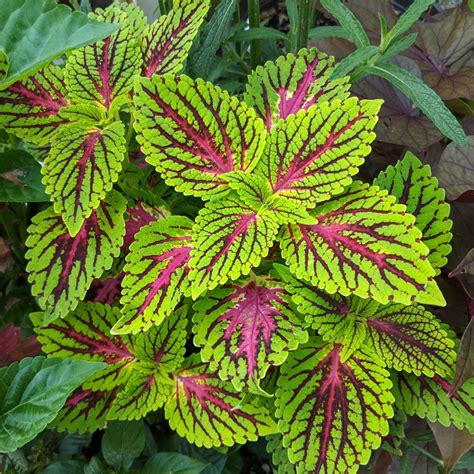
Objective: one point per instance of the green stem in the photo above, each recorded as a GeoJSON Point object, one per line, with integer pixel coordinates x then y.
{"type": "Point", "coordinates": [237, 58]}
{"type": "Point", "coordinates": [161, 4]}
{"type": "Point", "coordinates": [238, 44]}
{"type": "Point", "coordinates": [128, 137]}
{"type": "Point", "coordinates": [422, 451]}
{"type": "Point", "coordinates": [254, 19]}
{"type": "Point", "coordinates": [303, 24]}
{"type": "Point", "coordinates": [75, 4]}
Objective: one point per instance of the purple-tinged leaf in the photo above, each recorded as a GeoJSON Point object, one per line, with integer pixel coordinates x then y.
{"type": "Point", "coordinates": [292, 83]}
{"type": "Point", "coordinates": [30, 108]}
{"type": "Point", "coordinates": [229, 238]}
{"type": "Point", "coordinates": [332, 413]}
{"type": "Point", "coordinates": [167, 40]}
{"type": "Point", "coordinates": [362, 243]}
{"type": "Point", "coordinates": [245, 328]}
{"type": "Point", "coordinates": [61, 268]}
{"type": "Point", "coordinates": [210, 413]}
{"type": "Point", "coordinates": [195, 133]}
{"type": "Point", "coordinates": [156, 274]}
{"type": "Point", "coordinates": [313, 155]}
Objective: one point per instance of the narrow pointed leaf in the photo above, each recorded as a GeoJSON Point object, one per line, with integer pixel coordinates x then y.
{"type": "Point", "coordinates": [102, 72]}
{"type": "Point", "coordinates": [194, 133]}
{"type": "Point", "coordinates": [292, 83]}
{"type": "Point", "coordinates": [332, 414]}
{"type": "Point", "coordinates": [431, 398]}
{"type": "Point", "coordinates": [209, 412]}
{"type": "Point", "coordinates": [412, 184]}
{"type": "Point", "coordinates": [85, 334]}
{"type": "Point", "coordinates": [230, 238]}
{"type": "Point", "coordinates": [156, 274]}
{"type": "Point", "coordinates": [167, 40]}
{"type": "Point", "coordinates": [313, 155]}
{"type": "Point", "coordinates": [245, 328]}
{"type": "Point", "coordinates": [29, 108]}
{"type": "Point", "coordinates": [83, 164]}
{"type": "Point", "coordinates": [61, 268]}
{"type": "Point", "coordinates": [363, 243]}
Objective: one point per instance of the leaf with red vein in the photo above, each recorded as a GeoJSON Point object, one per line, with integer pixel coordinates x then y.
{"type": "Point", "coordinates": [156, 274]}
{"type": "Point", "coordinates": [195, 133]}
{"type": "Point", "coordinates": [160, 351]}
{"type": "Point", "coordinates": [81, 169]}
{"type": "Point", "coordinates": [103, 72]}
{"type": "Point", "coordinates": [85, 334]}
{"type": "Point", "coordinates": [61, 268]}
{"type": "Point", "coordinates": [431, 398]}
{"type": "Point", "coordinates": [313, 155]}
{"type": "Point", "coordinates": [29, 108]}
{"type": "Point", "coordinates": [363, 243]}
{"type": "Point", "coordinates": [413, 185]}
{"type": "Point", "coordinates": [332, 414]}
{"type": "Point", "coordinates": [293, 83]}
{"type": "Point", "coordinates": [245, 328]}
{"type": "Point", "coordinates": [85, 411]}
{"type": "Point", "coordinates": [210, 413]}
{"type": "Point", "coordinates": [167, 41]}
{"type": "Point", "coordinates": [229, 238]}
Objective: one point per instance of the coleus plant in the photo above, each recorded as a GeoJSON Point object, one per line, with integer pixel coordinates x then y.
{"type": "Point", "coordinates": [308, 285]}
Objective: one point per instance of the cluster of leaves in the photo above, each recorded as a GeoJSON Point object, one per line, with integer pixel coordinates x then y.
{"type": "Point", "coordinates": [303, 286]}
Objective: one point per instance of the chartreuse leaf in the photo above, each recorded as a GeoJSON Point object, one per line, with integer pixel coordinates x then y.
{"type": "Point", "coordinates": [195, 133]}
{"type": "Point", "coordinates": [4, 64]}
{"type": "Point", "coordinates": [434, 399]}
{"type": "Point", "coordinates": [279, 453]}
{"type": "Point", "coordinates": [424, 98]}
{"type": "Point", "coordinates": [156, 274]}
{"type": "Point", "coordinates": [81, 168]}
{"type": "Point", "coordinates": [85, 334]}
{"type": "Point", "coordinates": [160, 351]}
{"type": "Point", "coordinates": [332, 413]}
{"type": "Point", "coordinates": [85, 411]}
{"type": "Point", "coordinates": [209, 412]}
{"type": "Point", "coordinates": [292, 83]}
{"type": "Point", "coordinates": [413, 185]}
{"type": "Point", "coordinates": [103, 72]}
{"type": "Point", "coordinates": [29, 108]}
{"type": "Point", "coordinates": [246, 327]}
{"type": "Point", "coordinates": [362, 243]}
{"type": "Point", "coordinates": [406, 337]}
{"type": "Point", "coordinates": [167, 41]}
{"type": "Point", "coordinates": [229, 238]}
{"type": "Point", "coordinates": [32, 391]}
{"type": "Point", "coordinates": [37, 31]}
{"type": "Point", "coordinates": [313, 155]}
{"type": "Point", "coordinates": [61, 268]}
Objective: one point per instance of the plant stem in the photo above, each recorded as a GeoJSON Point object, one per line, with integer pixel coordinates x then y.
{"type": "Point", "coordinates": [422, 451]}
{"type": "Point", "coordinates": [238, 58]}
{"type": "Point", "coordinates": [254, 19]}
{"type": "Point", "coordinates": [238, 45]}
{"type": "Point", "coordinates": [303, 24]}
{"type": "Point", "coordinates": [161, 4]}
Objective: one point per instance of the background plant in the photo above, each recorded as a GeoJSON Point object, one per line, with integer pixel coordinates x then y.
{"type": "Point", "coordinates": [275, 168]}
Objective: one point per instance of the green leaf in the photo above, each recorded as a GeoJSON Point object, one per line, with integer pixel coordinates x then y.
{"type": "Point", "coordinates": [176, 463]}
{"type": "Point", "coordinates": [356, 59]}
{"type": "Point", "coordinates": [123, 441]}
{"type": "Point", "coordinates": [195, 133]}
{"type": "Point", "coordinates": [37, 31]}
{"type": "Point", "coordinates": [413, 185]}
{"type": "Point", "coordinates": [166, 42]}
{"type": "Point", "coordinates": [156, 274]}
{"type": "Point", "coordinates": [32, 391]}
{"type": "Point", "coordinates": [424, 98]}
{"type": "Point", "coordinates": [84, 163]}
{"type": "Point", "coordinates": [246, 327]}
{"type": "Point", "coordinates": [30, 108]}
{"type": "Point", "coordinates": [279, 453]}
{"type": "Point", "coordinates": [230, 238]}
{"type": "Point", "coordinates": [332, 413]}
{"type": "Point", "coordinates": [262, 32]}
{"type": "Point", "coordinates": [348, 21]}
{"type": "Point", "coordinates": [103, 72]}
{"type": "Point", "coordinates": [4, 64]}
{"type": "Point", "coordinates": [20, 178]}
{"type": "Point", "coordinates": [407, 20]}
{"type": "Point", "coordinates": [291, 83]}
{"type": "Point", "coordinates": [61, 268]}
{"type": "Point", "coordinates": [210, 412]}
{"type": "Point", "coordinates": [363, 243]}
{"type": "Point", "coordinates": [322, 32]}
{"type": "Point", "coordinates": [398, 47]}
